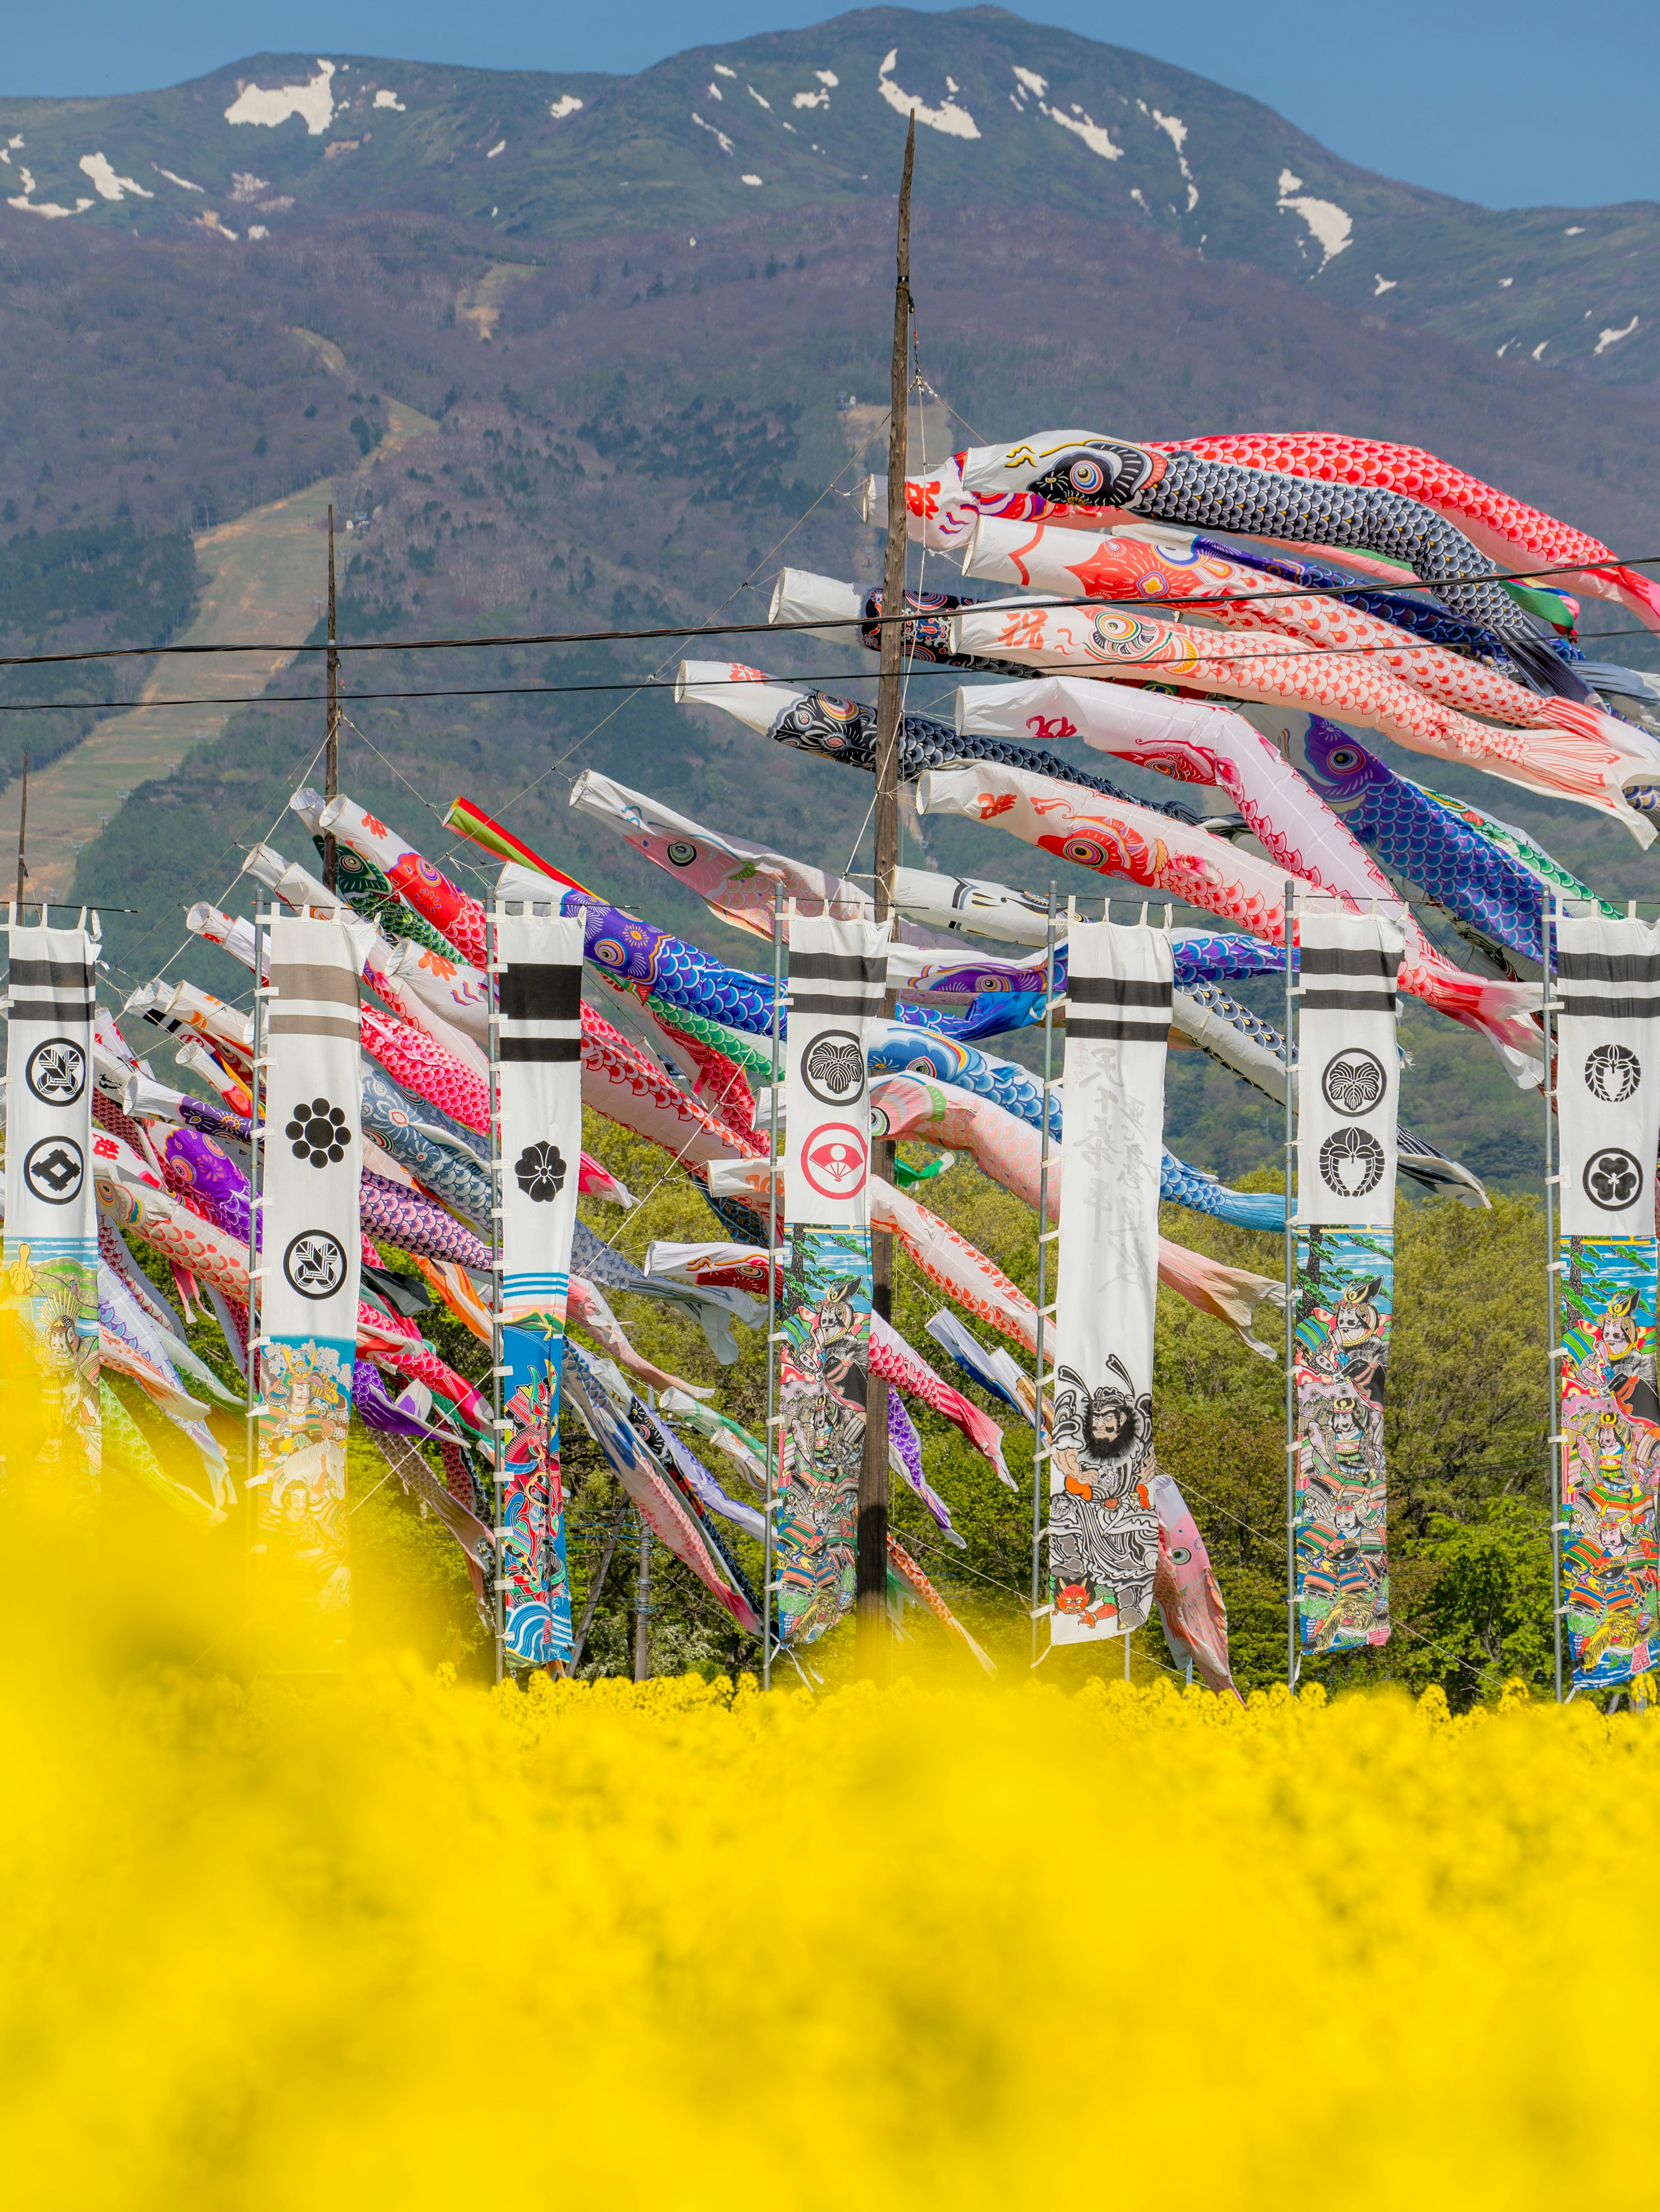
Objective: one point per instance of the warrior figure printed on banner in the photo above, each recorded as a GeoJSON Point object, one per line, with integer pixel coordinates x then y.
{"type": "Point", "coordinates": [1103, 1525]}
{"type": "Point", "coordinates": [1345, 1279]}
{"type": "Point", "coordinates": [825, 1317]}
{"type": "Point", "coordinates": [307, 1406]}
{"type": "Point", "coordinates": [1610, 1457]}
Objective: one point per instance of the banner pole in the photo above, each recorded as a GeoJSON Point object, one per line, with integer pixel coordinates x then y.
{"type": "Point", "coordinates": [772, 1296]}
{"type": "Point", "coordinates": [256, 1205]}
{"type": "Point", "coordinates": [1039, 1457]}
{"type": "Point", "coordinates": [498, 1422]}
{"type": "Point", "coordinates": [1551, 911]}
{"type": "Point", "coordinates": [1289, 934]}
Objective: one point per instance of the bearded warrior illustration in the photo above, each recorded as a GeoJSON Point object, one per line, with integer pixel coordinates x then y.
{"type": "Point", "coordinates": [1103, 1527]}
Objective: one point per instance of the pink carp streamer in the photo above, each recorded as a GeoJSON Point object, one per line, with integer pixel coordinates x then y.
{"type": "Point", "coordinates": [1506, 529]}
{"type": "Point", "coordinates": [1592, 766]}
{"type": "Point", "coordinates": [618, 1080]}
{"type": "Point", "coordinates": [1184, 1590]}
{"type": "Point", "coordinates": [1199, 742]}
{"type": "Point", "coordinates": [961, 1270]}
{"type": "Point", "coordinates": [1179, 863]}
{"type": "Point", "coordinates": [1163, 564]}
{"type": "Point", "coordinates": [745, 1267]}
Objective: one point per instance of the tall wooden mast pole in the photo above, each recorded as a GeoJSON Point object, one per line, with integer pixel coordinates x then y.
{"type": "Point", "coordinates": [871, 1651]}
{"type": "Point", "coordinates": [22, 834]}
{"type": "Point", "coordinates": [331, 762]}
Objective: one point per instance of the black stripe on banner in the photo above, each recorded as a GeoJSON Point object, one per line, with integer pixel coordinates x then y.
{"type": "Point", "coordinates": [1116, 991]}
{"type": "Point", "coordinates": [61, 1012]}
{"type": "Point", "coordinates": [845, 1010]}
{"type": "Point", "coordinates": [542, 991]}
{"type": "Point", "coordinates": [837, 968]}
{"type": "Point", "coordinates": [1116, 1032]}
{"type": "Point", "coordinates": [541, 1050]}
{"type": "Point", "coordinates": [1612, 1010]}
{"type": "Point", "coordinates": [1328, 960]}
{"type": "Point", "coordinates": [1609, 967]}
{"type": "Point", "coordinates": [1347, 1002]}
{"type": "Point", "coordinates": [44, 975]}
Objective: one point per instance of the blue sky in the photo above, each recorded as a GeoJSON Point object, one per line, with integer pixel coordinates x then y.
{"type": "Point", "coordinates": [1507, 105]}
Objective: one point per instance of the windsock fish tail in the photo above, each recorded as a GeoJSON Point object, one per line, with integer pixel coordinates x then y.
{"type": "Point", "coordinates": [469, 821]}
{"type": "Point", "coordinates": [1639, 595]}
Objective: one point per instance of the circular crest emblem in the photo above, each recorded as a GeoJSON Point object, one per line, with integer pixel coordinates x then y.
{"type": "Point", "coordinates": [319, 1132]}
{"type": "Point", "coordinates": [1354, 1082]}
{"type": "Point", "coordinates": [1613, 1073]}
{"type": "Point", "coordinates": [1612, 1179]}
{"type": "Point", "coordinates": [834, 1160]}
{"type": "Point", "coordinates": [55, 1071]}
{"type": "Point", "coordinates": [832, 1067]}
{"type": "Point", "coordinates": [539, 1171]}
{"type": "Point", "coordinates": [1351, 1163]}
{"type": "Point", "coordinates": [54, 1169]}
{"type": "Point", "coordinates": [315, 1264]}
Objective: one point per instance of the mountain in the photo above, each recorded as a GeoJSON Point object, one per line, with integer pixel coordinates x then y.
{"type": "Point", "coordinates": [595, 380]}
{"type": "Point", "coordinates": [1013, 116]}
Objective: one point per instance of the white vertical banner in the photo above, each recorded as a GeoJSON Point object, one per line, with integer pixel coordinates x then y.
{"type": "Point", "coordinates": [539, 1089]}
{"type": "Point", "coordinates": [838, 973]}
{"type": "Point", "coordinates": [1607, 1074]}
{"type": "Point", "coordinates": [1349, 1062]}
{"type": "Point", "coordinates": [1103, 1519]}
{"type": "Point", "coordinates": [51, 1271]}
{"type": "Point", "coordinates": [309, 1258]}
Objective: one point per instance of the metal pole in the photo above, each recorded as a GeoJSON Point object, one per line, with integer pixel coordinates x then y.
{"type": "Point", "coordinates": [256, 1210]}
{"type": "Point", "coordinates": [643, 1605]}
{"type": "Point", "coordinates": [596, 1585]}
{"type": "Point", "coordinates": [1039, 1454]}
{"type": "Point", "coordinates": [331, 762]}
{"type": "Point", "coordinates": [1289, 934]}
{"type": "Point", "coordinates": [498, 1419]}
{"type": "Point", "coordinates": [1552, 1270]}
{"type": "Point", "coordinates": [872, 1640]}
{"type": "Point", "coordinates": [772, 1295]}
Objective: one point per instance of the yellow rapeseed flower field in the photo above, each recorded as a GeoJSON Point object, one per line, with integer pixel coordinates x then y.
{"type": "Point", "coordinates": [381, 1940]}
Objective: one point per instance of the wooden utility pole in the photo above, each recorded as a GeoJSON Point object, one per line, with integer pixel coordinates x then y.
{"type": "Point", "coordinates": [22, 833]}
{"type": "Point", "coordinates": [331, 762]}
{"type": "Point", "coordinates": [872, 1640]}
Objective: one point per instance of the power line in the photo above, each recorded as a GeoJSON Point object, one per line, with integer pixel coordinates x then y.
{"type": "Point", "coordinates": [1370, 587]}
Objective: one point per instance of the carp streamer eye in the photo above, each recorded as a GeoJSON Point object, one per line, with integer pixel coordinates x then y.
{"type": "Point", "coordinates": [1343, 758]}
{"type": "Point", "coordinates": [1085, 476]}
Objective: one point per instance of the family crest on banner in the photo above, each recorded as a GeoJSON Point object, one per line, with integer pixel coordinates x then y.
{"type": "Point", "coordinates": [838, 973]}
{"type": "Point", "coordinates": [1608, 1098]}
{"type": "Point", "coordinates": [309, 1260]}
{"type": "Point", "coordinates": [539, 1091]}
{"type": "Point", "coordinates": [1348, 1107]}
{"type": "Point", "coordinates": [48, 1276]}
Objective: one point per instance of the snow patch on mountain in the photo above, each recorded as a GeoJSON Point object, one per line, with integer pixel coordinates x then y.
{"type": "Point", "coordinates": [955, 122]}
{"type": "Point", "coordinates": [1331, 227]}
{"type": "Point", "coordinates": [107, 183]}
{"type": "Point", "coordinates": [1612, 337]}
{"type": "Point", "coordinates": [312, 101]}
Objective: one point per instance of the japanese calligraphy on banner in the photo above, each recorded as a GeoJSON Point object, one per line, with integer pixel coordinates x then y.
{"type": "Point", "coordinates": [1102, 1521]}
